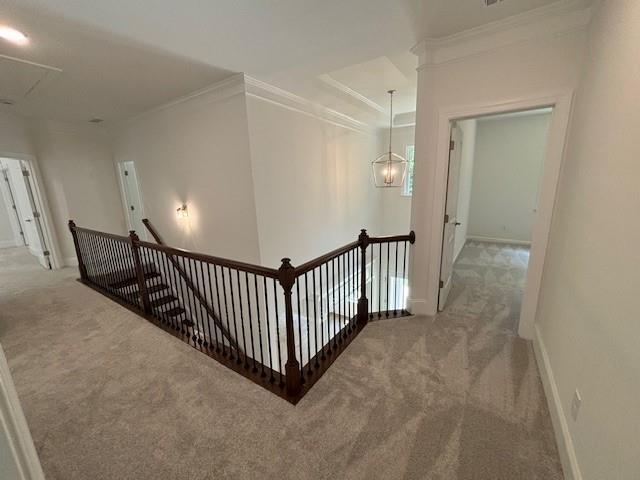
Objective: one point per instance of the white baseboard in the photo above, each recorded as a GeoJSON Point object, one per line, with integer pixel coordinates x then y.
{"type": "Point", "coordinates": [566, 450]}
{"type": "Point", "coordinates": [480, 238]}
{"type": "Point", "coordinates": [70, 262]}
{"type": "Point", "coordinates": [418, 307]}
{"type": "Point", "coordinates": [8, 243]}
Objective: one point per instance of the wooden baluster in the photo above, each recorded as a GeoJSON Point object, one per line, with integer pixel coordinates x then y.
{"type": "Point", "coordinates": [142, 285]}
{"type": "Point", "coordinates": [363, 302]}
{"type": "Point", "coordinates": [292, 367]}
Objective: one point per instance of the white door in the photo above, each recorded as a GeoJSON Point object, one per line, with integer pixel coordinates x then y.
{"type": "Point", "coordinates": [38, 244]}
{"type": "Point", "coordinates": [450, 217]}
{"type": "Point", "coordinates": [29, 210]}
{"type": "Point", "coordinates": [132, 198]}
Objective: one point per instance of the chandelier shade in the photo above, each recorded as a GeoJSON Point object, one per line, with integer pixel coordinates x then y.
{"type": "Point", "coordinates": [389, 169]}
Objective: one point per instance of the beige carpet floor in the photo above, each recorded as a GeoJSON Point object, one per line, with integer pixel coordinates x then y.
{"type": "Point", "coordinates": [109, 396]}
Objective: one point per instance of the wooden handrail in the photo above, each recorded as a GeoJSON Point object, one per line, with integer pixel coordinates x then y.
{"type": "Point", "coordinates": [411, 238]}
{"type": "Point", "coordinates": [171, 252]}
{"type": "Point", "coordinates": [321, 260]}
{"type": "Point", "coordinates": [100, 234]}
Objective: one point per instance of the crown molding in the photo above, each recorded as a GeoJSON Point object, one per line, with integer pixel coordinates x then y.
{"type": "Point", "coordinates": [407, 119]}
{"type": "Point", "coordinates": [341, 87]}
{"type": "Point", "coordinates": [241, 83]}
{"type": "Point", "coordinates": [551, 20]}
{"type": "Point", "coordinates": [226, 88]}
{"type": "Point", "coordinates": [258, 89]}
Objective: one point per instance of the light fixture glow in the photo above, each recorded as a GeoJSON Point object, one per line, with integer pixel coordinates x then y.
{"type": "Point", "coordinates": [12, 35]}
{"type": "Point", "coordinates": [182, 211]}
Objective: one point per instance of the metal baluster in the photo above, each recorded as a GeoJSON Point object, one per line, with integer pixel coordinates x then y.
{"type": "Point", "coordinates": [183, 293]}
{"type": "Point", "coordinates": [387, 309]}
{"type": "Point", "coordinates": [395, 284]}
{"type": "Point", "coordinates": [244, 337]}
{"type": "Point", "coordinates": [226, 311]}
{"type": "Point", "coordinates": [404, 264]}
{"type": "Point", "coordinates": [253, 350]}
{"type": "Point", "coordinates": [329, 351]}
{"type": "Point", "coordinates": [266, 306]}
{"type": "Point", "coordinates": [379, 280]}
{"type": "Point", "coordinates": [275, 301]}
{"type": "Point", "coordinates": [306, 289]}
{"type": "Point", "coordinates": [255, 290]}
{"type": "Point", "coordinates": [333, 296]}
{"type": "Point", "coordinates": [233, 313]}
{"type": "Point", "coordinates": [215, 329]}
{"type": "Point", "coordinates": [205, 314]}
{"type": "Point", "coordinates": [299, 328]}
{"type": "Point", "coordinates": [371, 282]}
{"type": "Point", "coordinates": [166, 280]}
{"type": "Point", "coordinates": [160, 311]}
{"type": "Point", "coordinates": [315, 317]}
{"type": "Point", "coordinates": [193, 308]}
{"type": "Point", "coordinates": [322, 318]}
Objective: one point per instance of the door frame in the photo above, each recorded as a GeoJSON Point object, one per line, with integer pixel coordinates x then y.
{"type": "Point", "coordinates": [123, 196]}
{"type": "Point", "coordinates": [562, 104]}
{"type": "Point", "coordinates": [49, 232]}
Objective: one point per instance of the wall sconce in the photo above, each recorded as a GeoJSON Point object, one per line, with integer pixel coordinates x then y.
{"type": "Point", "coordinates": [182, 211]}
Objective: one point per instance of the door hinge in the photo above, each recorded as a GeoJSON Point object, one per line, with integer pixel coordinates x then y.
{"type": "Point", "coordinates": [446, 218]}
{"type": "Point", "coordinates": [46, 253]}
{"type": "Point", "coordinates": [126, 173]}
{"type": "Point", "coordinates": [36, 214]}
{"type": "Point", "coordinates": [452, 145]}
{"type": "Point", "coordinates": [25, 173]}
{"type": "Point", "coordinates": [441, 284]}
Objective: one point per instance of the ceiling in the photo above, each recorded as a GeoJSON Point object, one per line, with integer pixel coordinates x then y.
{"type": "Point", "coordinates": [114, 59]}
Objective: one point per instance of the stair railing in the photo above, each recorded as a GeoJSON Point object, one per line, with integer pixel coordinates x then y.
{"type": "Point", "coordinates": [190, 285]}
{"type": "Point", "coordinates": [281, 328]}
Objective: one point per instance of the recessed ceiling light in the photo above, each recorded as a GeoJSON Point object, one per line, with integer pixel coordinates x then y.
{"type": "Point", "coordinates": [96, 120]}
{"type": "Point", "coordinates": [12, 35]}
{"type": "Point", "coordinates": [6, 101]}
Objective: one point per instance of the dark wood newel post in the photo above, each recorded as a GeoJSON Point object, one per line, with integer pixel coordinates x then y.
{"type": "Point", "coordinates": [363, 302]}
{"type": "Point", "coordinates": [76, 243]}
{"type": "Point", "coordinates": [287, 278]}
{"type": "Point", "coordinates": [142, 284]}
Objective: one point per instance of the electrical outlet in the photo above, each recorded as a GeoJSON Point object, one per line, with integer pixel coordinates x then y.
{"type": "Point", "coordinates": [575, 405]}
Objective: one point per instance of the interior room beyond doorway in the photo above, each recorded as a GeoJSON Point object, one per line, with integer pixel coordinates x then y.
{"type": "Point", "coordinates": [493, 188]}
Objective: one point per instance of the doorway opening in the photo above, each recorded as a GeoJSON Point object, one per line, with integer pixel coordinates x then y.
{"type": "Point", "coordinates": [493, 191]}
{"type": "Point", "coordinates": [131, 198]}
{"type": "Point", "coordinates": [22, 222]}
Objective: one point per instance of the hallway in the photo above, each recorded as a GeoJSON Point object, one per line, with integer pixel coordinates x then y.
{"type": "Point", "coordinates": [108, 395]}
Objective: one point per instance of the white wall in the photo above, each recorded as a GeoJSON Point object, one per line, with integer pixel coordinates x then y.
{"type": "Point", "coordinates": [18, 457]}
{"type": "Point", "coordinates": [509, 156]}
{"type": "Point", "coordinates": [79, 179]}
{"type": "Point", "coordinates": [468, 128]}
{"type": "Point", "coordinates": [396, 207]}
{"type": "Point", "coordinates": [7, 234]}
{"type": "Point", "coordinates": [312, 182]}
{"type": "Point", "coordinates": [196, 152]}
{"type": "Point", "coordinates": [537, 67]}
{"type": "Point", "coordinates": [588, 310]}
{"type": "Point", "coordinates": [14, 135]}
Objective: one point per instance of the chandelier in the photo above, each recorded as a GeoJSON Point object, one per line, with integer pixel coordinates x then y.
{"type": "Point", "coordinates": [389, 169]}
